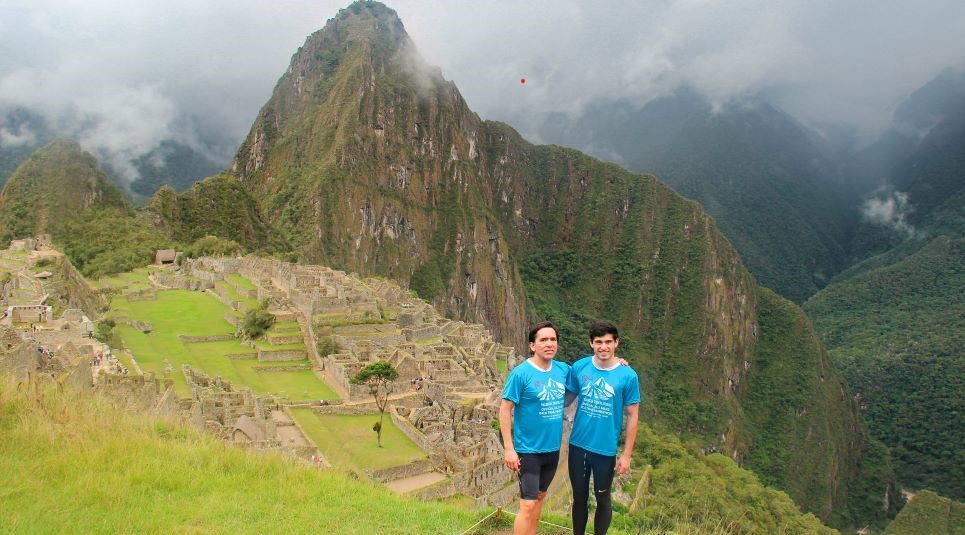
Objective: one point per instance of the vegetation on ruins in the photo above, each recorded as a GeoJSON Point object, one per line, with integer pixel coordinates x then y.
{"type": "Point", "coordinates": [326, 345]}
{"type": "Point", "coordinates": [213, 246]}
{"type": "Point", "coordinates": [257, 321]}
{"type": "Point", "coordinates": [109, 241]}
{"type": "Point", "coordinates": [378, 376]}
{"type": "Point", "coordinates": [105, 330]}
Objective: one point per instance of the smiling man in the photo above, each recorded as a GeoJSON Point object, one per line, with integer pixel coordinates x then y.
{"type": "Point", "coordinates": [531, 423]}
{"type": "Point", "coordinates": [607, 391]}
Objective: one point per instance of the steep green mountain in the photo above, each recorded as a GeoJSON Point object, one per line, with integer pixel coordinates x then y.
{"type": "Point", "coordinates": [929, 514]}
{"type": "Point", "coordinates": [55, 182]}
{"type": "Point", "coordinates": [768, 181]}
{"type": "Point", "coordinates": [897, 333]}
{"type": "Point", "coordinates": [894, 323]}
{"type": "Point", "coordinates": [217, 206]}
{"type": "Point", "coordinates": [369, 161]}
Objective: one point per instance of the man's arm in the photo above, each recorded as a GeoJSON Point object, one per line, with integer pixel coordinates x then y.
{"type": "Point", "coordinates": [506, 430]}
{"type": "Point", "coordinates": [632, 412]}
{"type": "Point", "coordinates": [570, 398]}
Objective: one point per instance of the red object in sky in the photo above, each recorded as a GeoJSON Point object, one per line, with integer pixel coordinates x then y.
{"type": "Point", "coordinates": [522, 80]}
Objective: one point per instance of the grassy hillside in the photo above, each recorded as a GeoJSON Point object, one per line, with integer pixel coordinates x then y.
{"type": "Point", "coordinates": [897, 333]}
{"type": "Point", "coordinates": [107, 471]}
{"type": "Point", "coordinates": [73, 464]}
{"type": "Point", "coordinates": [929, 514]}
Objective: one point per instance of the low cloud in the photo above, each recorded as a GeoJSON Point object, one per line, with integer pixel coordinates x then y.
{"type": "Point", "coordinates": [124, 76]}
{"type": "Point", "coordinates": [889, 208]}
{"type": "Point", "coordinates": [17, 136]}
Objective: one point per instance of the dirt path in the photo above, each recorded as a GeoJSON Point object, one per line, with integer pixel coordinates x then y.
{"type": "Point", "coordinates": [407, 484]}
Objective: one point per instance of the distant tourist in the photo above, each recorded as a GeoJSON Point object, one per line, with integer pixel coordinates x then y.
{"type": "Point", "coordinates": [531, 423]}
{"type": "Point", "coordinates": [607, 391]}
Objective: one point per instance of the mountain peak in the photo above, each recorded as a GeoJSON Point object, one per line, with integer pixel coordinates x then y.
{"type": "Point", "coordinates": [57, 181]}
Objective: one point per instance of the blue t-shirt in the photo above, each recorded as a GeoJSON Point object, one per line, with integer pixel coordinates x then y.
{"type": "Point", "coordinates": [538, 396]}
{"type": "Point", "coordinates": [603, 396]}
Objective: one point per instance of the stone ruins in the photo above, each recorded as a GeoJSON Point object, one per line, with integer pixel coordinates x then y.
{"type": "Point", "coordinates": [445, 399]}
{"type": "Point", "coordinates": [447, 395]}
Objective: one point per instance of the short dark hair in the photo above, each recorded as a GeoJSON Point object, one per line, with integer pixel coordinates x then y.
{"type": "Point", "coordinates": [542, 325]}
{"type": "Point", "coordinates": [603, 328]}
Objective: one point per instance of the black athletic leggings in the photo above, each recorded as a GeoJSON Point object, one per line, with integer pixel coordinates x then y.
{"type": "Point", "coordinates": [581, 463]}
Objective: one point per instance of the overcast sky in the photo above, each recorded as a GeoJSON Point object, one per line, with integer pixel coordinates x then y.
{"type": "Point", "coordinates": [122, 75]}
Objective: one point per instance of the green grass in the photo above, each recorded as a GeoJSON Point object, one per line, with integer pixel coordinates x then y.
{"type": "Point", "coordinates": [232, 294]}
{"type": "Point", "coordinates": [178, 312]}
{"type": "Point", "coordinates": [75, 464]}
{"type": "Point", "coordinates": [929, 514]}
{"type": "Point", "coordinates": [263, 345]}
{"type": "Point", "coordinates": [132, 280]}
{"type": "Point", "coordinates": [241, 282]}
{"type": "Point", "coordinates": [332, 433]}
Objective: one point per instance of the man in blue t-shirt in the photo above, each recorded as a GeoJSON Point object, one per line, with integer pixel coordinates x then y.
{"type": "Point", "coordinates": [607, 391]}
{"type": "Point", "coordinates": [531, 422]}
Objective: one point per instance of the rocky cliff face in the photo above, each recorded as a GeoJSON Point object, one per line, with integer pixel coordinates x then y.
{"type": "Point", "coordinates": [371, 162]}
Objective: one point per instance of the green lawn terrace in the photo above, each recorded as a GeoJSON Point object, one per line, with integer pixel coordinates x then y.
{"type": "Point", "coordinates": [13, 260]}
{"type": "Point", "coordinates": [132, 282]}
{"type": "Point", "coordinates": [181, 327]}
{"type": "Point", "coordinates": [449, 377]}
{"type": "Point", "coordinates": [332, 432]}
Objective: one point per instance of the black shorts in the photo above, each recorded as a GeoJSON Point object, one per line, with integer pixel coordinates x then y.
{"type": "Point", "coordinates": [536, 471]}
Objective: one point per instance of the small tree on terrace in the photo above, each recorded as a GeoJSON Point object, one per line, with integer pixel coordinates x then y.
{"type": "Point", "coordinates": [378, 376]}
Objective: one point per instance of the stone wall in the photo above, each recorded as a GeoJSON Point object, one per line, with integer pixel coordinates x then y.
{"type": "Point", "coordinates": [143, 326]}
{"type": "Point", "coordinates": [235, 321]}
{"type": "Point", "coordinates": [410, 431]}
{"type": "Point", "coordinates": [31, 314]}
{"type": "Point", "coordinates": [210, 338]}
{"type": "Point", "coordinates": [414, 468]}
{"type": "Point", "coordinates": [281, 355]}
{"type": "Point", "coordinates": [421, 333]}
{"type": "Point", "coordinates": [285, 339]}
{"type": "Point", "coordinates": [77, 292]}
{"type": "Point", "coordinates": [477, 482]}
{"type": "Point", "coordinates": [173, 280]}
{"type": "Point", "coordinates": [300, 368]}
{"type": "Point", "coordinates": [137, 392]}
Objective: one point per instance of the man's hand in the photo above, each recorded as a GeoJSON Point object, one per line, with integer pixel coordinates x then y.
{"type": "Point", "coordinates": [623, 464]}
{"type": "Point", "coordinates": [623, 361]}
{"type": "Point", "coordinates": [512, 459]}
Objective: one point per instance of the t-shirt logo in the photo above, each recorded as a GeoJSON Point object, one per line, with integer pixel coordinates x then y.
{"type": "Point", "coordinates": [598, 389]}
{"type": "Point", "coordinates": [553, 390]}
